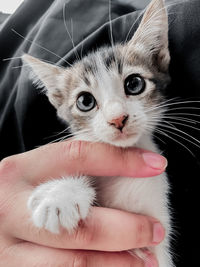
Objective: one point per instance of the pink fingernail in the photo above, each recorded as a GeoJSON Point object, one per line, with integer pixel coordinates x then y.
{"type": "Point", "coordinates": [158, 233]}
{"type": "Point", "coordinates": [154, 160]}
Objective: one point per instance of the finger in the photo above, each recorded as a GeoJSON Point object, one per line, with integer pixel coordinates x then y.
{"type": "Point", "coordinates": [73, 157]}
{"type": "Point", "coordinates": [104, 229]}
{"type": "Point", "coordinates": [28, 254]}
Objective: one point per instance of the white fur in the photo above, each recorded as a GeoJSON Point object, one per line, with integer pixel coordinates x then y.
{"type": "Point", "coordinates": [61, 202]}
{"type": "Point", "coordinates": [144, 196]}
{"type": "Point", "coordinates": [65, 201]}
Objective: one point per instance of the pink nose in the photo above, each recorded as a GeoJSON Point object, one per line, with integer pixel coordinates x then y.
{"type": "Point", "coordinates": [119, 122]}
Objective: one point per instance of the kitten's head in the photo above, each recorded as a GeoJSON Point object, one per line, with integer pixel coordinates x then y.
{"type": "Point", "coordinates": [110, 94]}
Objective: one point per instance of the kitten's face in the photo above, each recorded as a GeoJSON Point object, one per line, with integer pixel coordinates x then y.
{"type": "Point", "coordinates": [109, 95]}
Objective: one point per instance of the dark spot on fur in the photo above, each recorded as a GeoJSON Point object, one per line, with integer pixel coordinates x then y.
{"type": "Point", "coordinates": [89, 65]}
{"type": "Point", "coordinates": [120, 66]}
{"type": "Point", "coordinates": [57, 95]}
{"type": "Point", "coordinates": [86, 80]}
{"type": "Point", "coordinates": [161, 81]}
{"type": "Point", "coordinates": [110, 58]}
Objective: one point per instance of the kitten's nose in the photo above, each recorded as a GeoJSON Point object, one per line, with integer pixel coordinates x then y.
{"type": "Point", "coordinates": [119, 122]}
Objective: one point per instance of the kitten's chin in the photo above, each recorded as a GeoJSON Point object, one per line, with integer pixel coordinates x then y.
{"type": "Point", "coordinates": [125, 142]}
{"type": "Point", "coordinates": [120, 141]}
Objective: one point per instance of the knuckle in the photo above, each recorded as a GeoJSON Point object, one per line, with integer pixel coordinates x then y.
{"type": "Point", "coordinates": [130, 160]}
{"type": "Point", "coordinates": [75, 150]}
{"type": "Point", "coordinates": [80, 260]}
{"type": "Point", "coordinates": [8, 167]}
{"type": "Point", "coordinates": [141, 237]}
{"type": "Point", "coordinates": [125, 157]}
{"type": "Point", "coordinates": [8, 174]}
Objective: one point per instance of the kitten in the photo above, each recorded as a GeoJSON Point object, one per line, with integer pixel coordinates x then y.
{"type": "Point", "coordinates": [109, 96]}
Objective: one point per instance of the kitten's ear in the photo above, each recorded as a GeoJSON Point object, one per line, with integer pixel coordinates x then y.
{"type": "Point", "coordinates": [151, 37]}
{"type": "Point", "coordinates": [49, 76]}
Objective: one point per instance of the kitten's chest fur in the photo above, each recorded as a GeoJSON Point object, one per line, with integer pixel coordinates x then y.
{"type": "Point", "coordinates": [113, 95]}
{"type": "Point", "coordinates": [147, 196]}
{"type": "Point", "coordinates": [139, 195]}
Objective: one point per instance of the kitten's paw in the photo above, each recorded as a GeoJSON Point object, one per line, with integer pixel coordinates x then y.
{"type": "Point", "coordinates": [61, 202]}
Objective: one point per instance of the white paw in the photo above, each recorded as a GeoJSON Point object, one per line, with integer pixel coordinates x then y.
{"type": "Point", "coordinates": [61, 202]}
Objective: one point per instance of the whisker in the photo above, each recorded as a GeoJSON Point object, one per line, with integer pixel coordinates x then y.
{"type": "Point", "coordinates": [61, 138]}
{"type": "Point", "coordinates": [82, 44]}
{"type": "Point", "coordinates": [179, 108]}
{"type": "Point", "coordinates": [13, 58]}
{"type": "Point", "coordinates": [161, 104]}
{"type": "Point", "coordinates": [70, 36]}
{"type": "Point", "coordinates": [27, 65]}
{"type": "Point", "coordinates": [175, 122]}
{"type": "Point", "coordinates": [20, 66]}
{"type": "Point", "coordinates": [160, 131]}
{"type": "Point", "coordinates": [110, 22]}
{"type": "Point", "coordinates": [165, 104]}
{"type": "Point", "coordinates": [59, 133]}
{"type": "Point", "coordinates": [183, 138]}
{"type": "Point", "coordinates": [40, 46]}
{"type": "Point", "coordinates": [159, 139]}
{"type": "Point", "coordinates": [175, 118]}
{"type": "Point", "coordinates": [185, 114]}
{"type": "Point", "coordinates": [181, 102]}
{"type": "Point", "coordinates": [181, 119]}
{"type": "Point", "coordinates": [10, 58]}
{"type": "Point", "coordinates": [173, 139]}
{"type": "Point", "coordinates": [152, 129]}
{"type": "Point", "coordinates": [167, 112]}
{"type": "Point", "coordinates": [180, 131]}
{"type": "Point", "coordinates": [111, 32]}
{"type": "Point", "coordinates": [74, 134]}
{"type": "Point", "coordinates": [185, 125]}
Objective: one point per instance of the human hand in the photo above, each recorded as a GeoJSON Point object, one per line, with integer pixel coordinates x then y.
{"type": "Point", "coordinates": [105, 232]}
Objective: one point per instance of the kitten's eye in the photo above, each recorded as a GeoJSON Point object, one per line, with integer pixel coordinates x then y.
{"type": "Point", "coordinates": [85, 102]}
{"type": "Point", "coordinates": [134, 84]}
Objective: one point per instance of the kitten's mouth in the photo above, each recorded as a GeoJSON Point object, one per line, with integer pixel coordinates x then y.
{"type": "Point", "coordinates": [123, 136]}
{"type": "Point", "coordinates": [124, 139]}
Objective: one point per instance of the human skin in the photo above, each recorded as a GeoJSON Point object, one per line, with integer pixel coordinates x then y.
{"type": "Point", "coordinates": [101, 240]}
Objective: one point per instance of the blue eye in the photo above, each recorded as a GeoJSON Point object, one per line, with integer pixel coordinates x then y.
{"type": "Point", "coordinates": [85, 102]}
{"type": "Point", "coordinates": [134, 84]}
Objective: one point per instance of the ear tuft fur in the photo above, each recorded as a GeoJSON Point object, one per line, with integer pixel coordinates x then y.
{"type": "Point", "coordinates": [27, 59]}
{"type": "Point", "coordinates": [151, 37]}
{"type": "Point", "coordinates": [48, 77]}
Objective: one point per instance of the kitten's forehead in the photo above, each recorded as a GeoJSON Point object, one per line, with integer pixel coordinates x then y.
{"type": "Point", "coordinates": [103, 73]}
{"type": "Point", "coordinates": [111, 62]}
{"type": "Point", "coordinates": [104, 58]}
{"type": "Point", "coordinates": [114, 60]}
{"type": "Point", "coordinates": [102, 70]}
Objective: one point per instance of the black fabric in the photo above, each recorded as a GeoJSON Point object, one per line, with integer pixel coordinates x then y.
{"type": "Point", "coordinates": [27, 119]}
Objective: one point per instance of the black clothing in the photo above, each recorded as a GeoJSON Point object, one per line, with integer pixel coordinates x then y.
{"type": "Point", "coordinates": [28, 120]}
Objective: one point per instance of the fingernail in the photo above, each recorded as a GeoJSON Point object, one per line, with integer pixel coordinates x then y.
{"type": "Point", "coordinates": [158, 233]}
{"type": "Point", "coordinates": [154, 160]}
{"type": "Point", "coordinates": [151, 262]}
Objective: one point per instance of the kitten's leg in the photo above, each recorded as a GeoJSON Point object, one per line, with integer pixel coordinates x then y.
{"type": "Point", "coordinates": [62, 202]}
